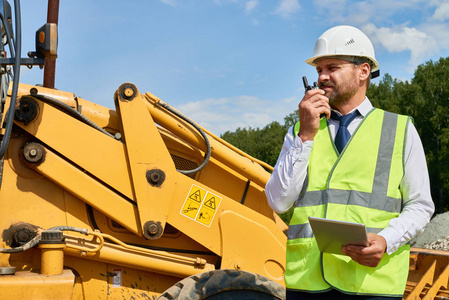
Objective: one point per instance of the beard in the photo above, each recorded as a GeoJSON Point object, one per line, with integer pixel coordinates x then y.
{"type": "Point", "coordinates": [340, 93]}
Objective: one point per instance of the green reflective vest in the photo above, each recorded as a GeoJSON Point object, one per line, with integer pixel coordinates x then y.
{"type": "Point", "coordinates": [359, 185]}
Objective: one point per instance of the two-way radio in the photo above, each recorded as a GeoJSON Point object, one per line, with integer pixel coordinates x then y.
{"type": "Point", "coordinates": [308, 87]}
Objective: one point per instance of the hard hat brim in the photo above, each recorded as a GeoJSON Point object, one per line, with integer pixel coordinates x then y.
{"type": "Point", "coordinates": [312, 61]}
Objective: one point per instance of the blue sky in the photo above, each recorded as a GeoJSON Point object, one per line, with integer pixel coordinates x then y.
{"type": "Point", "coordinates": [224, 63]}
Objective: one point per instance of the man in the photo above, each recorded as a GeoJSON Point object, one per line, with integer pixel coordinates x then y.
{"type": "Point", "coordinates": [371, 171]}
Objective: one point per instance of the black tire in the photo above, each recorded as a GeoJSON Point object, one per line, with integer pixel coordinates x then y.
{"type": "Point", "coordinates": [225, 284]}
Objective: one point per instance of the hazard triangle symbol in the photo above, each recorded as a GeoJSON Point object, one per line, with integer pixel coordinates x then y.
{"type": "Point", "coordinates": [210, 203]}
{"type": "Point", "coordinates": [196, 196]}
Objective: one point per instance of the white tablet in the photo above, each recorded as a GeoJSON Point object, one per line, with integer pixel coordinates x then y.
{"type": "Point", "coordinates": [330, 235]}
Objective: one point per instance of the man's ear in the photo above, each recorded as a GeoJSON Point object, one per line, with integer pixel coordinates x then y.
{"type": "Point", "coordinates": [365, 71]}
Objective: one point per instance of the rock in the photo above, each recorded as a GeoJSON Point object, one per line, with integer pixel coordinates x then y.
{"type": "Point", "coordinates": [441, 244]}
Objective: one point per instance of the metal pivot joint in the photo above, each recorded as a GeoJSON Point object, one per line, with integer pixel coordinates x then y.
{"type": "Point", "coordinates": [127, 91]}
{"type": "Point", "coordinates": [23, 236]}
{"type": "Point", "coordinates": [27, 110]}
{"type": "Point", "coordinates": [155, 177]}
{"type": "Point", "coordinates": [153, 230]}
{"type": "Point", "coordinates": [34, 153]}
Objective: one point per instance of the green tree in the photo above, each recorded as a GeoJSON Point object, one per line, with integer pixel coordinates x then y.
{"type": "Point", "coordinates": [291, 119]}
{"type": "Point", "coordinates": [432, 120]}
{"type": "Point", "coordinates": [382, 95]}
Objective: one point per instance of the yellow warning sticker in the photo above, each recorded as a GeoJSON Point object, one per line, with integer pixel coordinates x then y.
{"type": "Point", "coordinates": [200, 205]}
{"type": "Point", "coordinates": [190, 209]}
{"type": "Point", "coordinates": [208, 210]}
{"type": "Point", "coordinates": [193, 202]}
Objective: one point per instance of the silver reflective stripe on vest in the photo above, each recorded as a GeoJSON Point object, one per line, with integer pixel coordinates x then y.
{"type": "Point", "coordinates": [299, 231]}
{"type": "Point", "coordinates": [384, 157]}
{"type": "Point", "coordinates": [363, 199]}
{"type": "Point", "coordinates": [368, 200]}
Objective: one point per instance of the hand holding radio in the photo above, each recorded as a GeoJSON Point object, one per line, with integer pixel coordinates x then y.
{"type": "Point", "coordinates": [312, 107]}
{"type": "Point", "coordinates": [308, 87]}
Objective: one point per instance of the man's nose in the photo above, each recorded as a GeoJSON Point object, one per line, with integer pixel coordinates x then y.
{"type": "Point", "coordinates": [323, 76]}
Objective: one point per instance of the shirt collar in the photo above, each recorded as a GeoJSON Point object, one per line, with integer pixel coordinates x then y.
{"type": "Point", "coordinates": [364, 108]}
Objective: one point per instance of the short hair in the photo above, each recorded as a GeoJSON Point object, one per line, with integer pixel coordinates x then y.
{"type": "Point", "coordinates": [358, 60]}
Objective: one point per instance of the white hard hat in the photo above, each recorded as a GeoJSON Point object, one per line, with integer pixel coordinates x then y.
{"type": "Point", "coordinates": [344, 42]}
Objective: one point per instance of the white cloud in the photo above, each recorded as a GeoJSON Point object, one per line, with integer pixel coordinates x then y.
{"type": "Point", "coordinates": [250, 5]}
{"type": "Point", "coordinates": [441, 35]}
{"type": "Point", "coordinates": [441, 12]}
{"type": "Point", "coordinates": [287, 7]}
{"type": "Point", "coordinates": [228, 114]}
{"type": "Point", "coordinates": [402, 38]}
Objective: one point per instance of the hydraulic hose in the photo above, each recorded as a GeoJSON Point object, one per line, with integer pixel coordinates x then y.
{"type": "Point", "coordinates": [71, 111]}
{"type": "Point", "coordinates": [70, 228]}
{"type": "Point", "coordinates": [8, 35]}
{"type": "Point", "coordinates": [9, 119]}
{"type": "Point", "coordinates": [203, 134]}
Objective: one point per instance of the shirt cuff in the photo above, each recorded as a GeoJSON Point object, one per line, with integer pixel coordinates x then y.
{"type": "Point", "coordinates": [390, 235]}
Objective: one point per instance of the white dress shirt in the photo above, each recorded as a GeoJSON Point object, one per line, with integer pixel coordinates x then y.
{"type": "Point", "coordinates": [290, 171]}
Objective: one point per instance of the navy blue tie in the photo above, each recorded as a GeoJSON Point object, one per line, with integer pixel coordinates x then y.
{"type": "Point", "coordinates": [343, 135]}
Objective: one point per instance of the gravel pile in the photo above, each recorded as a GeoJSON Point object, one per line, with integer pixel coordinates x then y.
{"type": "Point", "coordinates": [441, 244]}
{"type": "Point", "coordinates": [436, 234]}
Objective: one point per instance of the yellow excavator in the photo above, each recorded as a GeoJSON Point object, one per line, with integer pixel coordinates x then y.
{"type": "Point", "coordinates": [139, 202]}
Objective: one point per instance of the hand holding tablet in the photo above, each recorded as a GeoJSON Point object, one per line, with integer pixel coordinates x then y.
{"type": "Point", "coordinates": [330, 235]}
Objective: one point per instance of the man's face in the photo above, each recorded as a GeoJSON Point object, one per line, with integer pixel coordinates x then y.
{"type": "Point", "coordinates": [338, 79]}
